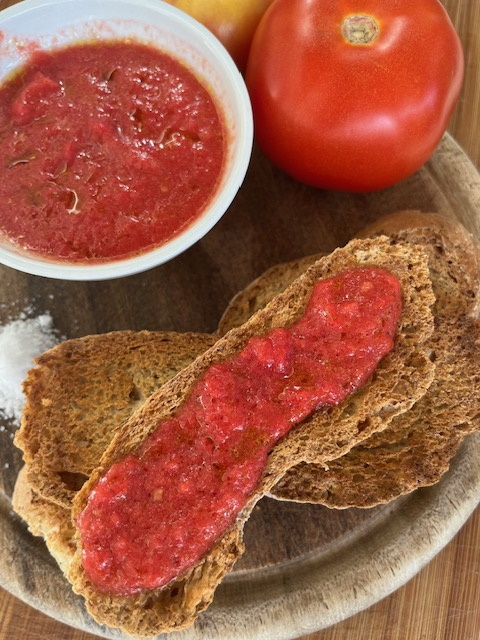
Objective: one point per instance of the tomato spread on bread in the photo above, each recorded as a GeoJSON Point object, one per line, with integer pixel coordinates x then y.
{"type": "Point", "coordinates": [107, 150]}
{"type": "Point", "coordinates": [156, 512]}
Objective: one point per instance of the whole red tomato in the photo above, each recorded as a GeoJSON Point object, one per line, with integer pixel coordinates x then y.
{"type": "Point", "coordinates": [232, 21]}
{"type": "Point", "coordinates": [353, 94]}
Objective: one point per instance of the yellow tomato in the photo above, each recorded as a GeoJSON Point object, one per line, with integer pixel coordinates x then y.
{"type": "Point", "coordinates": [232, 21]}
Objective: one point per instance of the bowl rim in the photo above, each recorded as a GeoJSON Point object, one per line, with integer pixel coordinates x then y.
{"type": "Point", "coordinates": [27, 262]}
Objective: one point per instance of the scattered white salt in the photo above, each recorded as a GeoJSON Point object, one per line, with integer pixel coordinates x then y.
{"type": "Point", "coordinates": [21, 341]}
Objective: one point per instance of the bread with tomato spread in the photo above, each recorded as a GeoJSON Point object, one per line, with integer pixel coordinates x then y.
{"type": "Point", "coordinates": [401, 377]}
{"type": "Point", "coordinates": [416, 448]}
{"type": "Point", "coordinates": [60, 393]}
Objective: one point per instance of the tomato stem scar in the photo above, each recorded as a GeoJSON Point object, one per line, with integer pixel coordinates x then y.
{"type": "Point", "coordinates": [360, 29]}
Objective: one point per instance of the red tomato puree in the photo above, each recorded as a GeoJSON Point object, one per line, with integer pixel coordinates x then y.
{"type": "Point", "coordinates": [156, 512]}
{"type": "Point", "coordinates": [106, 150]}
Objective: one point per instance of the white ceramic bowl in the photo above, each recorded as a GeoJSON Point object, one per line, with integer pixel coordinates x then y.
{"type": "Point", "coordinates": [54, 23]}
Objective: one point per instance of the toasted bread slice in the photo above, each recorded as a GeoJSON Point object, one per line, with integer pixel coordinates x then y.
{"type": "Point", "coordinates": [401, 378]}
{"type": "Point", "coordinates": [417, 447]}
{"type": "Point", "coordinates": [392, 464]}
{"type": "Point", "coordinates": [81, 390]}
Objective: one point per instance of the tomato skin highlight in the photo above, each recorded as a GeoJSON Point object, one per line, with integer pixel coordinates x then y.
{"type": "Point", "coordinates": [353, 117]}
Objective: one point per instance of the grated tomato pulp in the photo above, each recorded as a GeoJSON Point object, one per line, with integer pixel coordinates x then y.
{"type": "Point", "coordinates": [106, 150]}
{"type": "Point", "coordinates": [156, 512]}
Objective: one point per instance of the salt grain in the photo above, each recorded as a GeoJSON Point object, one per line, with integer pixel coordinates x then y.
{"type": "Point", "coordinates": [21, 341]}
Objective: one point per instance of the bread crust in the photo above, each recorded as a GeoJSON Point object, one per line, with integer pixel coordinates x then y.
{"type": "Point", "coordinates": [401, 378]}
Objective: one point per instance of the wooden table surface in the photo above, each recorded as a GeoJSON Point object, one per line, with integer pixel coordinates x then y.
{"type": "Point", "coordinates": [441, 602]}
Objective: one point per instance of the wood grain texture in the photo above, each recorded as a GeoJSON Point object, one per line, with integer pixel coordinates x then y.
{"type": "Point", "coordinates": [441, 602]}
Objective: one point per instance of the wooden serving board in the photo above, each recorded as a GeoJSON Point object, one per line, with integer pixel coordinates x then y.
{"type": "Point", "coordinates": [306, 566]}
